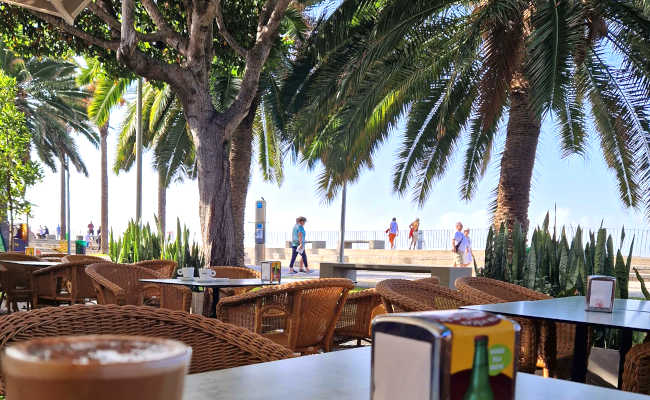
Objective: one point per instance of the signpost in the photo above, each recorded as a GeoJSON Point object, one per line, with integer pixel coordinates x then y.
{"type": "Point", "coordinates": [260, 231]}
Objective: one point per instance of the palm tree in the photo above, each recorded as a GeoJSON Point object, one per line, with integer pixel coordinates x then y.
{"type": "Point", "coordinates": [460, 71]}
{"type": "Point", "coordinates": [53, 105]}
{"type": "Point", "coordinates": [107, 94]}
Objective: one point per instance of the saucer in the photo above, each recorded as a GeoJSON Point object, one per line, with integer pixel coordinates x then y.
{"type": "Point", "coordinates": [183, 278]}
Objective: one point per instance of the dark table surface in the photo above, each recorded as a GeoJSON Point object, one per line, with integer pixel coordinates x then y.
{"type": "Point", "coordinates": [345, 375]}
{"type": "Point", "coordinates": [214, 283]}
{"type": "Point", "coordinates": [628, 314]}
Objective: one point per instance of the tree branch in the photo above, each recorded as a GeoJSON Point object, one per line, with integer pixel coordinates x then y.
{"type": "Point", "coordinates": [203, 13]}
{"type": "Point", "coordinates": [267, 30]}
{"type": "Point", "coordinates": [170, 36]}
{"type": "Point", "coordinates": [223, 30]}
{"type": "Point", "coordinates": [128, 38]}
{"type": "Point", "coordinates": [78, 33]}
{"type": "Point", "coordinates": [105, 16]}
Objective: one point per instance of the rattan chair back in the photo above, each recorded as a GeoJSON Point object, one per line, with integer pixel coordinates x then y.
{"type": "Point", "coordinates": [120, 284]}
{"type": "Point", "coordinates": [165, 268]}
{"type": "Point", "coordinates": [215, 345]}
{"type": "Point", "coordinates": [401, 295]}
{"type": "Point", "coordinates": [354, 322]}
{"type": "Point", "coordinates": [636, 374]}
{"type": "Point", "coordinates": [73, 258]}
{"type": "Point", "coordinates": [305, 313]}
{"type": "Point", "coordinates": [63, 283]}
{"type": "Point", "coordinates": [15, 281]}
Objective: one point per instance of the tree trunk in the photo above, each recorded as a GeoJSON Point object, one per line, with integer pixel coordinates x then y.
{"type": "Point", "coordinates": [343, 205]}
{"type": "Point", "coordinates": [63, 199]}
{"type": "Point", "coordinates": [103, 134]}
{"type": "Point", "coordinates": [240, 167]}
{"type": "Point", "coordinates": [162, 201]}
{"type": "Point", "coordinates": [215, 204]}
{"type": "Point", "coordinates": [518, 158]}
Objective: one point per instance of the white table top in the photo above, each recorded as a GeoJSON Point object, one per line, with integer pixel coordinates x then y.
{"type": "Point", "coordinates": [31, 263]}
{"type": "Point", "coordinates": [630, 314]}
{"type": "Point", "coordinates": [345, 375]}
{"type": "Point", "coordinates": [215, 283]}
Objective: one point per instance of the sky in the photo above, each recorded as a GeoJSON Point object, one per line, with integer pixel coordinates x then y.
{"type": "Point", "coordinates": [583, 189]}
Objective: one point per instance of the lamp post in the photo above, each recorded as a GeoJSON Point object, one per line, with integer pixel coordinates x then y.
{"type": "Point", "coordinates": [138, 155]}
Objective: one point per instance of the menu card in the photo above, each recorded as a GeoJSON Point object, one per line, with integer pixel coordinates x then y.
{"type": "Point", "coordinates": [600, 293]}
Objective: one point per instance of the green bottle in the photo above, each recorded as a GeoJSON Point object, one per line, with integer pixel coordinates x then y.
{"type": "Point", "coordinates": [479, 384]}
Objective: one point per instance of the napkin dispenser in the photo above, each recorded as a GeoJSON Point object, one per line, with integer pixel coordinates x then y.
{"type": "Point", "coordinates": [444, 355]}
{"type": "Point", "coordinates": [271, 271]}
{"type": "Point", "coordinates": [600, 293]}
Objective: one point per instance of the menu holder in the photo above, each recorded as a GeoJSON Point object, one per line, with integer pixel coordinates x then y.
{"type": "Point", "coordinates": [600, 293]}
{"type": "Point", "coordinates": [444, 355]}
{"type": "Point", "coordinates": [271, 271]}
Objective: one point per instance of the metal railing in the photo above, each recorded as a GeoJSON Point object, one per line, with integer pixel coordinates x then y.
{"type": "Point", "coordinates": [440, 239]}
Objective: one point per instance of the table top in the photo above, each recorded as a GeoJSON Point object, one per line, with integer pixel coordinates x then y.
{"type": "Point", "coordinates": [216, 283]}
{"type": "Point", "coordinates": [31, 263]}
{"type": "Point", "coordinates": [629, 314]}
{"type": "Point", "coordinates": [345, 375]}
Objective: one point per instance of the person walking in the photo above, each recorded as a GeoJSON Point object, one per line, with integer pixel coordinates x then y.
{"type": "Point", "coordinates": [414, 233]}
{"type": "Point", "coordinates": [58, 232]}
{"type": "Point", "coordinates": [91, 229]}
{"type": "Point", "coordinates": [298, 245]}
{"type": "Point", "coordinates": [393, 232]}
{"type": "Point", "coordinates": [468, 259]}
{"type": "Point", "coordinates": [458, 244]}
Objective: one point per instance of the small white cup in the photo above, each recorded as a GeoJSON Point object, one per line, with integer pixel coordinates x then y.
{"type": "Point", "coordinates": [206, 273]}
{"type": "Point", "coordinates": [186, 273]}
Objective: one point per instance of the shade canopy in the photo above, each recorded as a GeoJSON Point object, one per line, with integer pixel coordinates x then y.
{"type": "Point", "coordinates": [66, 9]}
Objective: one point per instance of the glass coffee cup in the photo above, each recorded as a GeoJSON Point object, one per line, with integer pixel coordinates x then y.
{"type": "Point", "coordinates": [97, 367]}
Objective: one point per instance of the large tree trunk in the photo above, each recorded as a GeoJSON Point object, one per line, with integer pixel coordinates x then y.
{"type": "Point", "coordinates": [518, 158]}
{"type": "Point", "coordinates": [103, 134]}
{"type": "Point", "coordinates": [162, 201]}
{"type": "Point", "coordinates": [215, 205]}
{"type": "Point", "coordinates": [63, 199]}
{"type": "Point", "coordinates": [240, 167]}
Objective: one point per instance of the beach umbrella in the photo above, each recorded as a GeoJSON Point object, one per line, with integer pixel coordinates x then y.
{"type": "Point", "coordinates": [66, 9]}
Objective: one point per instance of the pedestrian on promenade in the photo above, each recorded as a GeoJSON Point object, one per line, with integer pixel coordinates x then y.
{"type": "Point", "coordinates": [392, 231]}
{"type": "Point", "coordinates": [469, 256]}
{"type": "Point", "coordinates": [298, 245]}
{"type": "Point", "coordinates": [414, 233]}
{"type": "Point", "coordinates": [58, 232]}
{"type": "Point", "coordinates": [458, 245]}
{"type": "Point", "coordinates": [91, 229]}
{"type": "Point", "coordinates": [46, 232]}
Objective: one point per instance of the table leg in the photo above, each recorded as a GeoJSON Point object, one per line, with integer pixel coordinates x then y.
{"type": "Point", "coordinates": [579, 366]}
{"type": "Point", "coordinates": [215, 300]}
{"type": "Point", "coordinates": [626, 344]}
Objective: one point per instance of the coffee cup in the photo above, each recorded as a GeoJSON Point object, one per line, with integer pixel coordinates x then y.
{"type": "Point", "coordinates": [187, 273]}
{"type": "Point", "coordinates": [98, 367]}
{"type": "Point", "coordinates": [207, 273]}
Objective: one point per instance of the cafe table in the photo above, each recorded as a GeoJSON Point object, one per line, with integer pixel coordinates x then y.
{"type": "Point", "coordinates": [627, 315]}
{"type": "Point", "coordinates": [40, 264]}
{"type": "Point", "coordinates": [214, 283]}
{"type": "Point", "coordinates": [345, 375]}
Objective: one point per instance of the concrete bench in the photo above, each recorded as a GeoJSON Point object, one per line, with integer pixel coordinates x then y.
{"type": "Point", "coordinates": [447, 275]}
{"type": "Point", "coordinates": [372, 244]}
{"type": "Point", "coordinates": [315, 244]}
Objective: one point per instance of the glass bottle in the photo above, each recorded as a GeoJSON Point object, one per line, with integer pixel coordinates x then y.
{"type": "Point", "coordinates": [479, 384]}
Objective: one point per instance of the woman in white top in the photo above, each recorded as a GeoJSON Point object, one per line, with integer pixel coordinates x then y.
{"type": "Point", "coordinates": [468, 258]}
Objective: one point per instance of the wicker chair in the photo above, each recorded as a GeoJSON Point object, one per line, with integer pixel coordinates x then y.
{"type": "Point", "coordinates": [356, 316]}
{"type": "Point", "coordinates": [401, 295]}
{"type": "Point", "coordinates": [120, 284]}
{"type": "Point", "coordinates": [556, 360]}
{"type": "Point", "coordinates": [65, 283]}
{"type": "Point", "coordinates": [636, 373]}
{"type": "Point", "coordinates": [73, 258]}
{"type": "Point", "coordinates": [52, 256]}
{"type": "Point", "coordinates": [305, 312]}
{"type": "Point", "coordinates": [215, 345]}
{"type": "Point", "coordinates": [165, 268]}
{"type": "Point", "coordinates": [15, 281]}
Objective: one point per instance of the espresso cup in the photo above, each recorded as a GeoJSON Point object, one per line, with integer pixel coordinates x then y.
{"type": "Point", "coordinates": [186, 272]}
{"type": "Point", "coordinates": [97, 367]}
{"type": "Point", "coordinates": [207, 273]}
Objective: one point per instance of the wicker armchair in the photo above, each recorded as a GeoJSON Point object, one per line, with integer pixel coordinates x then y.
{"type": "Point", "coordinates": [354, 322]}
{"type": "Point", "coordinates": [556, 360]}
{"type": "Point", "coordinates": [52, 256]}
{"type": "Point", "coordinates": [165, 268]}
{"type": "Point", "coordinates": [73, 258]}
{"type": "Point", "coordinates": [636, 373]}
{"type": "Point", "coordinates": [120, 284]}
{"type": "Point", "coordinates": [299, 315]}
{"type": "Point", "coordinates": [401, 295]}
{"type": "Point", "coordinates": [16, 281]}
{"type": "Point", "coordinates": [215, 345]}
{"type": "Point", "coordinates": [65, 283]}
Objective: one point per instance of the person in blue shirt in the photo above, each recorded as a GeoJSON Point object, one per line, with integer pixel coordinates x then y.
{"type": "Point", "coordinates": [298, 245]}
{"type": "Point", "coordinates": [393, 232]}
{"type": "Point", "coordinates": [459, 246]}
